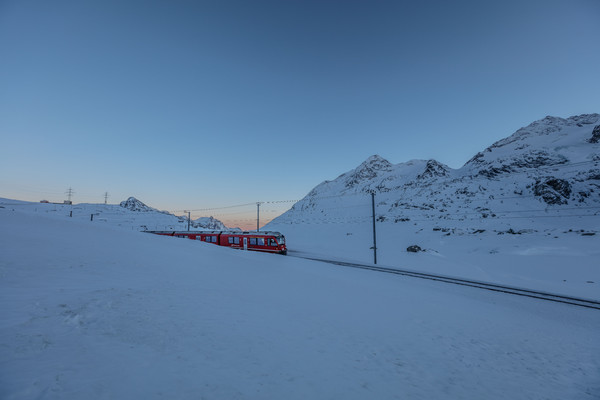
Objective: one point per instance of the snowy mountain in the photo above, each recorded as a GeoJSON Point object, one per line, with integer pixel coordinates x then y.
{"type": "Point", "coordinates": [208, 223]}
{"type": "Point", "coordinates": [550, 163]}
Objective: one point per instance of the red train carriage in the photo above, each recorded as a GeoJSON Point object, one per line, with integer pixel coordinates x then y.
{"type": "Point", "coordinates": [271, 242]}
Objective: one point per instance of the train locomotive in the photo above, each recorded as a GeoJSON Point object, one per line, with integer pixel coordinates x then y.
{"type": "Point", "coordinates": [269, 242]}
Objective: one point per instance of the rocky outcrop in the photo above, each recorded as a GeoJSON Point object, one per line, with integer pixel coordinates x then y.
{"type": "Point", "coordinates": [134, 204]}
{"type": "Point", "coordinates": [368, 170]}
{"type": "Point", "coordinates": [529, 160]}
{"type": "Point", "coordinates": [209, 223]}
{"type": "Point", "coordinates": [595, 135]}
{"type": "Point", "coordinates": [433, 169]}
{"type": "Point", "coordinates": [520, 142]}
{"type": "Point", "coordinates": [553, 190]}
{"type": "Point", "coordinates": [414, 249]}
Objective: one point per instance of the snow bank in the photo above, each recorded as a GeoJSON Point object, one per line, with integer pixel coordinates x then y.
{"type": "Point", "coordinates": [90, 311]}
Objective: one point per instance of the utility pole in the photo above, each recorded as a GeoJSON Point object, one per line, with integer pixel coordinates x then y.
{"type": "Point", "coordinates": [374, 234]}
{"type": "Point", "coordinates": [105, 197]}
{"type": "Point", "coordinates": [189, 219]}
{"type": "Point", "coordinates": [257, 215]}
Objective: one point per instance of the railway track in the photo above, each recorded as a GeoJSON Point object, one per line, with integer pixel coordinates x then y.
{"type": "Point", "coordinates": [587, 303]}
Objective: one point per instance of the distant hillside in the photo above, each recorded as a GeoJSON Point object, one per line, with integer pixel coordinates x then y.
{"type": "Point", "coordinates": [131, 214]}
{"type": "Point", "coordinates": [208, 223]}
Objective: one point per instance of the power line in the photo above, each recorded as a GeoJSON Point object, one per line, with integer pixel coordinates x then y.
{"type": "Point", "coordinates": [273, 202]}
{"type": "Point", "coordinates": [216, 208]}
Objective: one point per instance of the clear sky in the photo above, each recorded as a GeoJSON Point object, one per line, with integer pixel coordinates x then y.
{"type": "Point", "coordinates": [203, 104]}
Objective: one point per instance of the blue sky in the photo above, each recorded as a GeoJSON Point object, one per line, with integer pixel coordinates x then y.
{"type": "Point", "coordinates": [193, 104]}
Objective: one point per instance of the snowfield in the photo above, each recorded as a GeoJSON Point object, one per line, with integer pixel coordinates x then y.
{"type": "Point", "coordinates": [91, 310]}
{"type": "Point", "coordinates": [553, 260]}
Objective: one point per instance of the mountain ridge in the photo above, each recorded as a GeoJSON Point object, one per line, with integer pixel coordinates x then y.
{"type": "Point", "coordinates": [210, 223]}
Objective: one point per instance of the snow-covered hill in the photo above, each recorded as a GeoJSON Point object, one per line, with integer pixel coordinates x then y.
{"type": "Point", "coordinates": [130, 214]}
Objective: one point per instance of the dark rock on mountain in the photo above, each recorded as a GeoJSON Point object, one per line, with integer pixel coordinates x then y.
{"type": "Point", "coordinates": [529, 160]}
{"type": "Point", "coordinates": [368, 170]}
{"type": "Point", "coordinates": [134, 204]}
{"type": "Point", "coordinates": [414, 249]}
{"type": "Point", "coordinates": [433, 169]}
{"type": "Point", "coordinates": [553, 190]}
{"type": "Point", "coordinates": [595, 135]}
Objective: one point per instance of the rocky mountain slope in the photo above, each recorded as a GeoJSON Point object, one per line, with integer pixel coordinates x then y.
{"type": "Point", "coordinates": [549, 169]}
{"type": "Point", "coordinates": [207, 223]}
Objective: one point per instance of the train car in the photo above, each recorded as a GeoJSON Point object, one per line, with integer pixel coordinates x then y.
{"type": "Point", "coordinates": [270, 242]}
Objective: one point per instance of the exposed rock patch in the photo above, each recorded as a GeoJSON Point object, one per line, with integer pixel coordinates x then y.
{"type": "Point", "coordinates": [595, 135]}
{"type": "Point", "coordinates": [553, 190]}
{"type": "Point", "coordinates": [433, 169]}
{"type": "Point", "coordinates": [414, 249]}
{"type": "Point", "coordinates": [368, 170]}
{"type": "Point", "coordinates": [134, 204]}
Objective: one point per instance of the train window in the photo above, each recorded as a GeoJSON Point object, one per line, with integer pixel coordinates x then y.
{"type": "Point", "coordinates": [207, 239]}
{"type": "Point", "coordinates": [198, 237]}
{"type": "Point", "coordinates": [281, 240]}
{"type": "Point", "coordinates": [236, 240]}
{"type": "Point", "coordinates": [214, 239]}
{"type": "Point", "coordinates": [253, 241]}
{"type": "Point", "coordinates": [261, 241]}
{"type": "Point", "coordinates": [230, 239]}
{"type": "Point", "coordinates": [272, 242]}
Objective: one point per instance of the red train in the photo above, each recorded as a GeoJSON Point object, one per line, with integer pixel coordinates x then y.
{"type": "Point", "coordinates": [270, 242]}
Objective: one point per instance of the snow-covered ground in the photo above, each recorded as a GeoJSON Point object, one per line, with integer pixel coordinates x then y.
{"type": "Point", "coordinates": [552, 259]}
{"type": "Point", "coordinates": [92, 310]}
